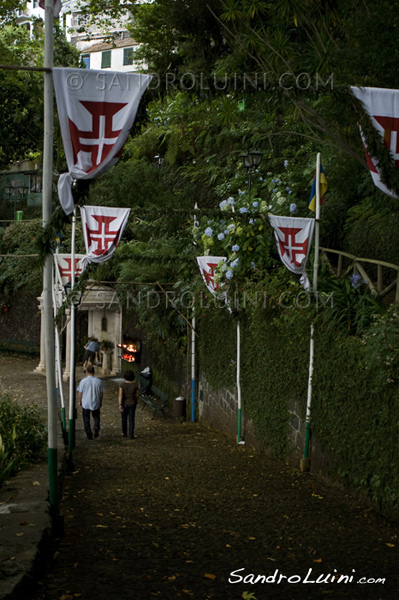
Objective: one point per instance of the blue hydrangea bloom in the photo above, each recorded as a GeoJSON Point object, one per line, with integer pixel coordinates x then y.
{"type": "Point", "coordinates": [223, 203]}
{"type": "Point", "coordinates": [293, 208]}
{"type": "Point", "coordinates": [208, 231]}
{"type": "Point", "coordinates": [286, 163]}
{"type": "Point", "coordinates": [251, 221]}
{"type": "Point", "coordinates": [234, 263]}
{"type": "Point", "coordinates": [255, 204]}
{"type": "Point", "coordinates": [229, 274]}
{"type": "Point", "coordinates": [243, 210]}
{"type": "Point", "coordinates": [220, 236]}
{"type": "Point", "coordinates": [236, 248]}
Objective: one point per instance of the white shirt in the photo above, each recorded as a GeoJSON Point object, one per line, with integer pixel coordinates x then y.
{"type": "Point", "coordinates": [91, 389]}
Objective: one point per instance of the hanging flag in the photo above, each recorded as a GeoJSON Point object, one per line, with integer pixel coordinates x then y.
{"type": "Point", "coordinates": [207, 266]}
{"type": "Point", "coordinates": [102, 229]}
{"type": "Point", "coordinates": [294, 238]}
{"type": "Point", "coordinates": [63, 263]}
{"type": "Point", "coordinates": [382, 105]}
{"type": "Point", "coordinates": [96, 110]}
{"type": "Point", "coordinates": [57, 6]}
{"type": "Point", "coordinates": [323, 189]}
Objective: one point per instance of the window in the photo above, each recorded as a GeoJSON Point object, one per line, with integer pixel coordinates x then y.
{"type": "Point", "coordinates": [104, 324]}
{"type": "Point", "coordinates": [36, 183]}
{"type": "Point", "coordinates": [128, 56]}
{"type": "Point", "coordinates": [85, 58]}
{"type": "Point", "coordinates": [106, 59]}
{"type": "Point", "coordinates": [35, 3]}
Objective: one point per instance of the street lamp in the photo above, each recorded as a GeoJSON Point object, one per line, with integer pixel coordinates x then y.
{"type": "Point", "coordinates": [251, 161]}
{"type": "Point", "coordinates": [159, 160]}
{"type": "Point", "coordinates": [16, 191]}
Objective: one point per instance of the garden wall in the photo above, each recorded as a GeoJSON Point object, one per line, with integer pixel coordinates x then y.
{"type": "Point", "coordinates": [355, 410]}
{"type": "Point", "coordinates": [21, 319]}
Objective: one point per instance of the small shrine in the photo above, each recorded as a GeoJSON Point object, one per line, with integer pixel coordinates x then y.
{"type": "Point", "coordinates": [104, 322]}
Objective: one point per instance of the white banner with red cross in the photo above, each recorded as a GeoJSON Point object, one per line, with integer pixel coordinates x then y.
{"type": "Point", "coordinates": [382, 105]}
{"type": "Point", "coordinates": [102, 229]}
{"type": "Point", "coordinates": [63, 264]}
{"type": "Point", "coordinates": [208, 266]}
{"type": "Point", "coordinates": [96, 110]}
{"type": "Point", "coordinates": [294, 239]}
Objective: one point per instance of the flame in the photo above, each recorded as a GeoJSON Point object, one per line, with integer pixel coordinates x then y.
{"type": "Point", "coordinates": [128, 358]}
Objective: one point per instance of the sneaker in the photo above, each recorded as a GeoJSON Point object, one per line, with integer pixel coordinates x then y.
{"type": "Point", "coordinates": [96, 432]}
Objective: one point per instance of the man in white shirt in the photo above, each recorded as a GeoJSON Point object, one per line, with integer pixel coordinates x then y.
{"type": "Point", "coordinates": [91, 392]}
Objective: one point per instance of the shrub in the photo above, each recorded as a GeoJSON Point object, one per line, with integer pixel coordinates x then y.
{"type": "Point", "coordinates": [22, 436]}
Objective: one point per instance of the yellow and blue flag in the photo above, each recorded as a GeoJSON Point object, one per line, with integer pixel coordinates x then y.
{"type": "Point", "coordinates": [323, 189]}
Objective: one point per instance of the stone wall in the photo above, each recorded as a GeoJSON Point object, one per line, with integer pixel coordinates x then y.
{"type": "Point", "coordinates": [218, 409]}
{"type": "Point", "coordinates": [22, 320]}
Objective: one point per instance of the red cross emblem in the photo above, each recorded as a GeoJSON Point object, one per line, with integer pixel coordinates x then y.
{"type": "Point", "coordinates": [390, 126]}
{"type": "Point", "coordinates": [66, 271]}
{"type": "Point", "coordinates": [291, 246]}
{"type": "Point", "coordinates": [99, 141]}
{"type": "Point", "coordinates": [210, 277]}
{"type": "Point", "coordinates": [103, 237]}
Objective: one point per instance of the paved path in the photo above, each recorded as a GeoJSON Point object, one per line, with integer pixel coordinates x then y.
{"type": "Point", "coordinates": [183, 512]}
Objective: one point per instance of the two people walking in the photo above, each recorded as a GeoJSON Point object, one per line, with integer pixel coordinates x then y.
{"type": "Point", "coordinates": [91, 391]}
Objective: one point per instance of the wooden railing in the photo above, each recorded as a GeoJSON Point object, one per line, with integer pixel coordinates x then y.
{"type": "Point", "coordinates": [357, 265]}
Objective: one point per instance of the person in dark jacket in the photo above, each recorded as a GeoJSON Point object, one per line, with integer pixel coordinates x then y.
{"type": "Point", "coordinates": [128, 398]}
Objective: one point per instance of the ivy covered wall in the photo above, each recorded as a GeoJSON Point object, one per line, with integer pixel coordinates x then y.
{"type": "Point", "coordinates": [355, 412]}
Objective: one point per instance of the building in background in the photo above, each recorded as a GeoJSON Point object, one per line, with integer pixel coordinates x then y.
{"type": "Point", "coordinates": [112, 49]}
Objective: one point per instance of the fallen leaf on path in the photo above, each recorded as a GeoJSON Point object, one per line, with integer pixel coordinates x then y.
{"type": "Point", "coordinates": [318, 560]}
{"type": "Point", "coordinates": [390, 545]}
{"type": "Point", "coordinates": [209, 576]}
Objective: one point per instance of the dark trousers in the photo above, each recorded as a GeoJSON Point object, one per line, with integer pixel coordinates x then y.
{"type": "Point", "coordinates": [128, 412]}
{"type": "Point", "coordinates": [86, 420]}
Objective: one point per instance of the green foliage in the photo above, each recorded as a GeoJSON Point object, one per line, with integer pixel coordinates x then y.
{"type": "Point", "coordinates": [354, 417]}
{"type": "Point", "coordinates": [381, 349]}
{"type": "Point", "coordinates": [20, 238]}
{"type": "Point", "coordinates": [354, 412]}
{"type": "Point", "coordinates": [348, 304]}
{"type": "Point", "coordinates": [22, 436]}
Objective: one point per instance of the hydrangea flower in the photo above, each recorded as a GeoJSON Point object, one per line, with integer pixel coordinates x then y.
{"type": "Point", "coordinates": [220, 236]}
{"type": "Point", "coordinates": [252, 264]}
{"type": "Point", "coordinates": [230, 201]}
{"type": "Point", "coordinates": [356, 280]}
{"type": "Point", "coordinates": [255, 204]}
{"type": "Point", "coordinates": [293, 208]}
{"type": "Point", "coordinates": [235, 248]}
{"type": "Point", "coordinates": [223, 204]}
{"type": "Point", "coordinates": [286, 163]}
{"type": "Point", "coordinates": [260, 178]}
{"type": "Point", "coordinates": [243, 210]}
{"type": "Point", "coordinates": [234, 263]}
{"type": "Point", "coordinates": [226, 232]}
{"type": "Point", "coordinates": [229, 274]}
{"type": "Point", "coordinates": [251, 221]}
{"type": "Point", "coordinates": [231, 227]}
{"type": "Point", "coordinates": [208, 231]}
{"type": "Point", "coordinates": [275, 190]}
